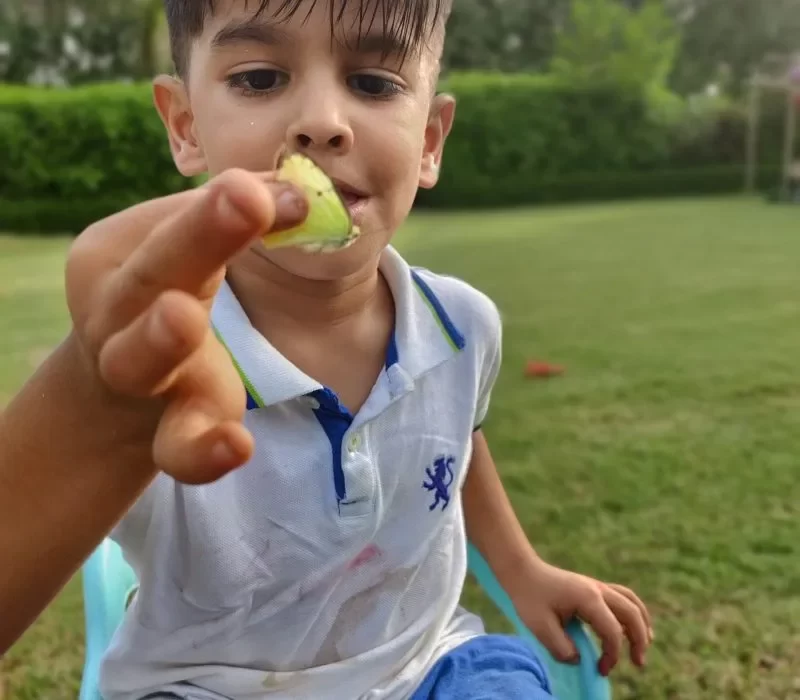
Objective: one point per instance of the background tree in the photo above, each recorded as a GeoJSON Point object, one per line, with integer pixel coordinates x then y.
{"type": "Point", "coordinates": [724, 40]}
{"type": "Point", "coordinates": [608, 41]}
{"type": "Point", "coordinates": [508, 35]}
{"type": "Point", "coordinates": [80, 41]}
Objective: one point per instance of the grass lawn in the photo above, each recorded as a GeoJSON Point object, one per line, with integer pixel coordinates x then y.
{"type": "Point", "coordinates": [665, 458]}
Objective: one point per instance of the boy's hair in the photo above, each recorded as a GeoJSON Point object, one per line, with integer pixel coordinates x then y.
{"type": "Point", "coordinates": [411, 22]}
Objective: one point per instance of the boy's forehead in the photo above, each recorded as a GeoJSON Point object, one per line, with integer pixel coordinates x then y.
{"type": "Point", "coordinates": [388, 26]}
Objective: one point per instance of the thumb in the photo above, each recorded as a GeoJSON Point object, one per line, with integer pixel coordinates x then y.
{"type": "Point", "coordinates": [552, 634]}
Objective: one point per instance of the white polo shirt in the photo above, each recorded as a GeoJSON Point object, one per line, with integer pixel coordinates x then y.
{"type": "Point", "coordinates": [331, 565]}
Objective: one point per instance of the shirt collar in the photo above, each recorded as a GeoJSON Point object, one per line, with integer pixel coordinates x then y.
{"type": "Point", "coordinates": [424, 331]}
{"type": "Point", "coordinates": [267, 375]}
{"type": "Point", "coordinates": [424, 337]}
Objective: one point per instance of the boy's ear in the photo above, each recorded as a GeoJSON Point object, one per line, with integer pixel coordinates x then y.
{"type": "Point", "coordinates": [172, 103]}
{"type": "Point", "coordinates": [440, 122]}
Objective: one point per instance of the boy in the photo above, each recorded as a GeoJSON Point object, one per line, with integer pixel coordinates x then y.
{"type": "Point", "coordinates": [305, 537]}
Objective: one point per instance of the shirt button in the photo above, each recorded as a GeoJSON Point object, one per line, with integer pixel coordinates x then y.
{"type": "Point", "coordinates": [354, 443]}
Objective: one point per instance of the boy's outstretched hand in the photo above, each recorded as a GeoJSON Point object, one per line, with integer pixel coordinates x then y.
{"type": "Point", "coordinates": [140, 285]}
{"type": "Point", "coordinates": [554, 596]}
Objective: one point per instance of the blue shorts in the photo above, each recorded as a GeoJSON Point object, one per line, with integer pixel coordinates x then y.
{"type": "Point", "coordinates": [491, 667]}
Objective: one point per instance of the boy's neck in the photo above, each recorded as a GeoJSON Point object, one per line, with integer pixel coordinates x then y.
{"type": "Point", "coordinates": [269, 293]}
{"type": "Point", "coordinates": [337, 331]}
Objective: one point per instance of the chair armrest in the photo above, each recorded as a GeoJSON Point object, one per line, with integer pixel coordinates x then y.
{"type": "Point", "coordinates": [107, 584]}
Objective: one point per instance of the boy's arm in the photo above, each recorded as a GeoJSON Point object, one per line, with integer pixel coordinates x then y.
{"type": "Point", "coordinates": [67, 475]}
{"type": "Point", "coordinates": [546, 597]}
{"type": "Point", "coordinates": [492, 526]}
{"type": "Point", "coordinates": [141, 383]}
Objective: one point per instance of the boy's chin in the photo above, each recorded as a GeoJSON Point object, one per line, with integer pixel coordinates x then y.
{"type": "Point", "coordinates": [326, 266]}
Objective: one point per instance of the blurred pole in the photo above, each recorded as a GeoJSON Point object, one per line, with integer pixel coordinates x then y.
{"type": "Point", "coordinates": [752, 135]}
{"type": "Point", "coordinates": [791, 128]}
{"type": "Point", "coordinates": [54, 15]}
{"type": "Point", "coordinates": [155, 56]}
{"type": "Point", "coordinates": [147, 41]}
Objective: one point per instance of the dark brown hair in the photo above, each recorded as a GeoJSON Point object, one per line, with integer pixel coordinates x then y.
{"type": "Point", "coordinates": [410, 22]}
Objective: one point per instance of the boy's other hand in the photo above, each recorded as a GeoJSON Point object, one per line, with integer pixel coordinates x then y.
{"type": "Point", "coordinates": [140, 285]}
{"type": "Point", "coordinates": [547, 597]}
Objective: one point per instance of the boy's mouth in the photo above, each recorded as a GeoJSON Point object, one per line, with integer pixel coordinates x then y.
{"type": "Point", "coordinates": [353, 199]}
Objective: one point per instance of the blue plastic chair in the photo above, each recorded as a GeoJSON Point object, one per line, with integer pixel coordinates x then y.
{"type": "Point", "coordinates": [108, 583]}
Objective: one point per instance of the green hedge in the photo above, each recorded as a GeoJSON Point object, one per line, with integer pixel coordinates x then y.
{"type": "Point", "coordinates": [70, 157]}
{"type": "Point", "coordinates": [58, 216]}
{"type": "Point", "coordinates": [526, 138]}
{"type": "Point", "coordinates": [99, 141]}
{"type": "Point", "coordinates": [516, 129]}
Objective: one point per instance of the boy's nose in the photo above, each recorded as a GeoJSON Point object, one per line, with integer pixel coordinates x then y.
{"type": "Point", "coordinates": [305, 141]}
{"type": "Point", "coordinates": [321, 133]}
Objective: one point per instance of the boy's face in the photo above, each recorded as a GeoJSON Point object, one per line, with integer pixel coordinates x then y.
{"type": "Point", "coordinates": [257, 87]}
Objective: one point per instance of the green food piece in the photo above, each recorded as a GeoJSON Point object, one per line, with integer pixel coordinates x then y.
{"type": "Point", "coordinates": [328, 226]}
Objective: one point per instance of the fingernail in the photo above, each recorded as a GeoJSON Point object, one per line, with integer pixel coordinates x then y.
{"type": "Point", "coordinates": [291, 207]}
{"type": "Point", "coordinates": [223, 453]}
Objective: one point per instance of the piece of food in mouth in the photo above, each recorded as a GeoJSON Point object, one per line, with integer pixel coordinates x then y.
{"type": "Point", "coordinates": [328, 226]}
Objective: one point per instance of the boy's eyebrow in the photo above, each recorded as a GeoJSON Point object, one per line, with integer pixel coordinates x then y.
{"type": "Point", "coordinates": [382, 43]}
{"type": "Point", "coordinates": [262, 31]}
{"type": "Point", "coordinates": [254, 29]}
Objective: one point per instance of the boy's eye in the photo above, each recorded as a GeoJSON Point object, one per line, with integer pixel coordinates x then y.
{"type": "Point", "coordinates": [258, 81]}
{"type": "Point", "coordinates": [373, 85]}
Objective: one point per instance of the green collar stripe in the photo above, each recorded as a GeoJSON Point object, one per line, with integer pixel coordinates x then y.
{"type": "Point", "coordinates": [245, 380]}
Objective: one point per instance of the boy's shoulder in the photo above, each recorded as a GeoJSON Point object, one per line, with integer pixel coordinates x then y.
{"type": "Point", "coordinates": [478, 318]}
{"type": "Point", "coordinates": [471, 310]}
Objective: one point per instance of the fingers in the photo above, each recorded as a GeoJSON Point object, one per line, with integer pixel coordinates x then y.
{"type": "Point", "coordinates": [596, 612]}
{"type": "Point", "coordinates": [188, 249]}
{"type": "Point", "coordinates": [632, 620]}
{"type": "Point", "coordinates": [167, 352]}
{"type": "Point", "coordinates": [194, 448]}
{"type": "Point", "coordinates": [139, 287]}
{"type": "Point", "coordinates": [630, 595]}
{"type": "Point", "coordinates": [552, 634]}
{"type": "Point", "coordinates": [143, 359]}
{"type": "Point", "coordinates": [201, 436]}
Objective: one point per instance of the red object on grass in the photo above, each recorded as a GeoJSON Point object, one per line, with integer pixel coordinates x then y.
{"type": "Point", "coordinates": [537, 369]}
